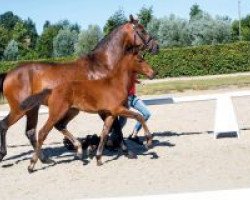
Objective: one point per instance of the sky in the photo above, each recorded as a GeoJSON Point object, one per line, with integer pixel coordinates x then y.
{"type": "Point", "coordinates": [85, 12]}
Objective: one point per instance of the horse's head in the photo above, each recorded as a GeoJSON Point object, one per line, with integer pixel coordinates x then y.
{"type": "Point", "coordinates": [138, 65]}
{"type": "Point", "coordinates": [138, 37]}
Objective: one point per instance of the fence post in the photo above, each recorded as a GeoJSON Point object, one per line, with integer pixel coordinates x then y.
{"type": "Point", "coordinates": [225, 118]}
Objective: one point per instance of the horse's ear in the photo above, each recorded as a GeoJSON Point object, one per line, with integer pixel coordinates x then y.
{"type": "Point", "coordinates": [133, 20]}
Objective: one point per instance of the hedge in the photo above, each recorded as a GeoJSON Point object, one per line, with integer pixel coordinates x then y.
{"type": "Point", "coordinates": [8, 65]}
{"type": "Point", "coordinates": [188, 61]}
{"type": "Point", "coordinates": [202, 60]}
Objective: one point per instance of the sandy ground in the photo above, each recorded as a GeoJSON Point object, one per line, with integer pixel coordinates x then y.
{"type": "Point", "coordinates": [185, 158]}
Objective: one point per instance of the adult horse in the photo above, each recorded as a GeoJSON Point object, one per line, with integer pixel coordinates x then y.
{"type": "Point", "coordinates": [33, 77]}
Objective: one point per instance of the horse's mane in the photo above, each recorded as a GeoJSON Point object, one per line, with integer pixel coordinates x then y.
{"type": "Point", "coordinates": [102, 44]}
{"type": "Point", "coordinates": [105, 40]}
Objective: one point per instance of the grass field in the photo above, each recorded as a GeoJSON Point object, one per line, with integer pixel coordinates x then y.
{"type": "Point", "coordinates": [204, 84]}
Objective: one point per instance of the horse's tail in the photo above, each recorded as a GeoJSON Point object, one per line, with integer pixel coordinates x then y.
{"type": "Point", "coordinates": [34, 100]}
{"type": "Point", "coordinates": [2, 78]}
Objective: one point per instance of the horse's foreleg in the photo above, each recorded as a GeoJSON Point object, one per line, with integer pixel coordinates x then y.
{"type": "Point", "coordinates": [134, 115]}
{"type": "Point", "coordinates": [42, 134]}
{"type": "Point", "coordinates": [9, 120]}
{"type": "Point", "coordinates": [106, 127]}
{"type": "Point", "coordinates": [116, 129]}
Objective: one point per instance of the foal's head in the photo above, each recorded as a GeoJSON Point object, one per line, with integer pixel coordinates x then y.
{"type": "Point", "coordinates": [139, 37]}
{"type": "Point", "coordinates": [138, 65]}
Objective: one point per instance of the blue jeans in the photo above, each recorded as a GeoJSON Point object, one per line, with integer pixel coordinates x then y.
{"type": "Point", "coordinates": [137, 104]}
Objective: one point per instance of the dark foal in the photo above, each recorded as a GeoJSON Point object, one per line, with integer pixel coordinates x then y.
{"type": "Point", "coordinates": [107, 96]}
{"type": "Point", "coordinates": [33, 77]}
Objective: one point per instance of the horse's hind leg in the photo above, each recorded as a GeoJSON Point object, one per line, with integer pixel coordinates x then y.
{"type": "Point", "coordinates": [130, 114]}
{"type": "Point", "coordinates": [62, 127]}
{"type": "Point", "coordinates": [116, 129]}
{"type": "Point", "coordinates": [9, 120]}
{"type": "Point", "coordinates": [75, 142]}
{"type": "Point", "coordinates": [32, 118]}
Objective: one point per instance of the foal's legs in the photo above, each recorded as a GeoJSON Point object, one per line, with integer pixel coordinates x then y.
{"type": "Point", "coordinates": [42, 134]}
{"type": "Point", "coordinates": [106, 127]}
{"type": "Point", "coordinates": [56, 112]}
{"type": "Point", "coordinates": [9, 120]}
{"type": "Point", "coordinates": [122, 111]}
{"type": "Point", "coordinates": [116, 129]}
{"type": "Point", "coordinates": [62, 126]}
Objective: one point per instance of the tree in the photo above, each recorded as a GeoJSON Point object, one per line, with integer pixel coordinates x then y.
{"type": "Point", "coordinates": [32, 35]}
{"type": "Point", "coordinates": [7, 23]}
{"type": "Point", "coordinates": [245, 29]}
{"type": "Point", "coordinates": [4, 40]}
{"type": "Point", "coordinates": [195, 11]}
{"type": "Point", "coordinates": [64, 42]}
{"type": "Point", "coordinates": [117, 19]}
{"type": "Point", "coordinates": [88, 39]}
{"type": "Point", "coordinates": [46, 24]}
{"type": "Point", "coordinates": [153, 27]}
{"type": "Point", "coordinates": [206, 30]}
{"type": "Point", "coordinates": [66, 24]}
{"type": "Point", "coordinates": [8, 20]}
{"type": "Point", "coordinates": [145, 15]}
{"type": "Point", "coordinates": [173, 31]}
{"type": "Point", "coordinates": [45, 42]}
{"type": "Point", "coordinates": [11, 51]}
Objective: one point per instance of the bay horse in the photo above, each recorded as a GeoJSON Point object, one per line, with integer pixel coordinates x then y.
{"type": "Point", "coordinates": [33, 77]}
{"type": "Point", "coordinates": [108, 96]}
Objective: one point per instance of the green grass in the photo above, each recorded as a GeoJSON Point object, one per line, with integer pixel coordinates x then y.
{"type": "Point", "coordinates": [182, 85]}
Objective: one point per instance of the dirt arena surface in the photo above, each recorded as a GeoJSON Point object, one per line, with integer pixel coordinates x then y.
{"type": "Point", "coordinates": [185, 157]}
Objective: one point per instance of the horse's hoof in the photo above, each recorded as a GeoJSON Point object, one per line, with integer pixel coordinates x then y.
{"type": "Point", "coordinates": [68, 145]}
{"type": "Point", "coordinates": [99, 163]}
{"type": "Point", "coordinates": [30, 169]}
{"type": "Point", "coordinates": [79, 156]}
{"type": "Point", "coordinates": [99, 160]}
{"type": "Point", "coordinates": [2, 155]}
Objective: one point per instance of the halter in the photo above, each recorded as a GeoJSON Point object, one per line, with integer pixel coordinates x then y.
{"type": "Point", "coordinates": [145, 42]}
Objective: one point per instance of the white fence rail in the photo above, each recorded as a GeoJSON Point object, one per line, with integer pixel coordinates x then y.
{"type": "Point", "coordinates": [225, 118]}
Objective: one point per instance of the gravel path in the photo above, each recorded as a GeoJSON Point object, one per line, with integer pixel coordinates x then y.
{"type": "Point", "coordinates": [186, 157]}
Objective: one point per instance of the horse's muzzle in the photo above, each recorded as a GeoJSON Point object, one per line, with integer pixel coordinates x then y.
{"type": "Point", "coordinates": [152, 76]}
{"type": "Point", "coordinates": [155, 49]}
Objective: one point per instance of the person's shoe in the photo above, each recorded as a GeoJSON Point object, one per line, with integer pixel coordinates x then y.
{"type": "Point", "coordinates": [135, 139]}
{"type": "Point", "coordinates": [68, 144]}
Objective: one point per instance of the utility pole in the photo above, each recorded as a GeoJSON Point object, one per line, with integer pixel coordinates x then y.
{"type": "Point", "coordinates": [239, 13]}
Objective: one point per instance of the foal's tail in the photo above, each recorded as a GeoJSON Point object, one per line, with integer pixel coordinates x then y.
{"type": "Point", "coordinates": [2, 77]}
{"type": "Point", "coordinates": [35, 100]}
